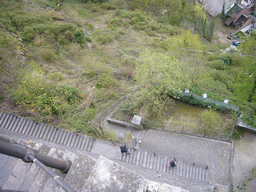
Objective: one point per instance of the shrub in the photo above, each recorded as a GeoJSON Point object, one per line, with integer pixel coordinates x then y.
{"type": "Point", "coordinates": [213, 57]}
{"type": "Point", "coordinates": [22, 19]}
{"type": "Point", "coordinates": [69, 35]}
{"type": "Point", "coordinates": [228, 59]}
{"type": "Point", "coordinates": [105, 38]}
{"type": "Point", "coordinates": [90, 26]}
{"type": "Point", "coordinates": [127, 138]}
{"type": "Point", "coordinates": [48, 54]}
{"type": "Point", "coordinates": [62, 40]}
{"type": "Point", "coordinates": [249, 113]}
{"type": "Point", "coordinates": [57, 77]}
{"type": "Point", "coordinates": [69, 94]}
{"type": "Point", "coordinates": [132, 104]}
{"type": "Point", "coordinates": [11, 29]}
{"type": "Point", "coordinates": [151, 33]}
{"type": "Point", "coordinates": [80, 37]}
{"type": "Point", "coordinates": [216, 64]}
{"type": "Point", "coordinates": [35, 93]}
{"type": "Point", "coordinates": [209, 120]}
{"type": "Point", "coordinates": [78, 121]}
{"type": "Point", "coordinates": [110, 136]}
{"type": "Point", "coordinates": [108, 6]}
{"type": "Point", "coordinates": [28, 34]}
{"type": "Point", "coordinates": [238, 133]}
{"type": "Point", "coordinates": [58, 28]}
{"type": "Point", "coordinates": [106, 80]}
{"type": "Point", "coordinates": [121, 32]}
{"type": "Point", "coordinates": [62, 32]}
{"type": "Point", "coordinates": [117, 22]}
{"type": "Point", "coordinates": [222, 76]}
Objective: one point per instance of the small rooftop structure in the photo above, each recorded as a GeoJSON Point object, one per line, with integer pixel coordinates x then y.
{"type": "Point", "coordinates": [241, 15]}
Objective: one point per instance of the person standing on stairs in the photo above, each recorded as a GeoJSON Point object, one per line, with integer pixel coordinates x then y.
{"type": "Point", "coordinates": [124, 149]}
{"type": "Point", "coordinates": [172, 163]}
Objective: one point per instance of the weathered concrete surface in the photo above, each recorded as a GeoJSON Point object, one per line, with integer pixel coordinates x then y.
{"type": "Point", "coordinates": [122, 123]}
{"type": "Point", "coordinates": [110, 176]}
{"type": "Point", "coordinates": [215, 154]}
{"type": "Point", "coordinates": [244, 163]}
{"type": "Point", "coordinates": [80, 170]}
{"type": "Point", "coordinates": [97, 175]}
{"type": "Point", "coordinates": [214, 7]}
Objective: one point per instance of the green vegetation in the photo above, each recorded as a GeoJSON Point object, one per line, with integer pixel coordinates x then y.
{"type": "Point", "coordinates": [159, 72]}
{"type": "Point", "coordinates": [67, 61]}
{"type": "Point", "coordinates": [35, 93]}
{"type": "Point", "coordinates": [247, 183]}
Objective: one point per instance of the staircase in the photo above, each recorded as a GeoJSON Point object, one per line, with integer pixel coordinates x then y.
{"type": "Point", "coordinates": [183, 169]}
{"type": "Point", "coordinates": [19, 176]}
{"type": "Point", "coordinates": [46, 132]}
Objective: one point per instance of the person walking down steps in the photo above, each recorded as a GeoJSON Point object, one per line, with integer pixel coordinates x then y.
{"type": "Point", "coordinates": [172, 163]}
{"type": "Point", "coordinates": [124, 149]}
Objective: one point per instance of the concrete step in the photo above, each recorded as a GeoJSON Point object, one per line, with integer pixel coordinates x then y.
{"type": "Point", "coordinates": [18, 174]}
{"type": "Point", "coordinates": [30, 177]}
{"type": "Point", "coordinates": [183, 169]}
{"type": "Point", "coordinates": [47, 132]}
{"type": "Point", "coordinates": [7, 163]}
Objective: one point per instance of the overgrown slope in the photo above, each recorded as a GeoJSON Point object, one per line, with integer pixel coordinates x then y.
{"type": "Point", "coordinates": [66, 61]}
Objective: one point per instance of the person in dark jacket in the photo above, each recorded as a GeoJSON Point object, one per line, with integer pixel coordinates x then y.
{"type": "Point", "coordinates": [172, 163]}
{"type": "Point", "coordinates": [124, 149]}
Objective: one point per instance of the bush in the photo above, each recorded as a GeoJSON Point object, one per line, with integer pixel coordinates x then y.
{"type": "Point", "coordinates": [108, 6]}
{"type": "Point", "coordinates": [105, 38]}
{"type": "Point", "coordinates": [90, 26]}
{"type": "Point", "coordinates": [57, 77]}
{"type": "Point", "coordinates": [58, 28]}
{"type": "Point", "coordinates": [48, 54]}
{"type": "Point", "coordinates": [62, 32]}
{"type": "Point", "coordinates": [21, 19]}
{"type": "Point", "coordinates": [228, 60]}
{"type": "Point", "coordinates": [28, 34]}
{"type": "Point", "coordinates": [121, 32]}
{"type": "Point", "coordinates": [69, 35]}
{"type": "Point", "coordinates": [132, 104]}
{"type": "Point", "coordinates": [35, 93]}
{"type": "Point", "coordinates": [106, 80]}
{"type": "Point", "coordinates": [217, 64]}
{"type": "Point", "coordinates": [115, 23]}
{"type": "Point", "coordinates": [151, 33]}
{"type": "Point", "coordinates": [249, 113]}
{"type": "Point", "coordinates": [78, 121]}
{"type": "Point", "coordinates": [213, 57]}
{"type": "Point", "coordinates": [62, 40]}
{"type": "Point", "coordinates": [80, 37]}
{"type": "Point", "coordinates": [110, 136]}
{"type": "Point", "coordinates": [222, 76]}
{"type": "Point", "coordinates": [209, 121]}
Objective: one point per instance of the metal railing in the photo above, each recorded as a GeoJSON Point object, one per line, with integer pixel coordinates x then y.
{"type": "Point", "coordinates": [9, 147]}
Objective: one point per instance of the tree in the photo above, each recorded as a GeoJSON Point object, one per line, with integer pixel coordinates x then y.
{"type": "Point", "coordinates": [248, 45]}
{"type": "Point", "coordinates": [243, 85]}
{"type": "Point", "coordinates": [248, 68]}
{"type": "Point", "coordinates": [160, 73]}
{"type": "Point", "coordinates": [186, 41]}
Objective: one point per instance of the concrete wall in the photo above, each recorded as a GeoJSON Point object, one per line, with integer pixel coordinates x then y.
{"type": "Point", "coordinates": [214, 7]}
